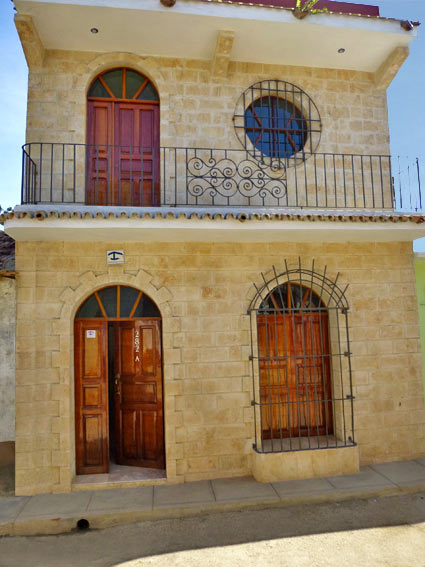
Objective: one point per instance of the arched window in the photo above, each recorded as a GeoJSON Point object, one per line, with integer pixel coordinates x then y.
{"type": "Point", "coordinates": [302, 375]}
{"type": "Point", "coordinates": [291, 295]}
{"type": "Point", "coordinates": [123, 84]}
{"type": "Point", "coordinates": [123, 139]}
{"type": "Point", "coordinates": [117, 302]}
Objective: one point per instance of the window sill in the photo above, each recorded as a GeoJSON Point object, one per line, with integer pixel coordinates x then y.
{"type": "Point", "coordinates": [302, 464]}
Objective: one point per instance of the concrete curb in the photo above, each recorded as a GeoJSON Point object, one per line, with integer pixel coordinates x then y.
{"type": "Point", "coordinates": [53, 525]}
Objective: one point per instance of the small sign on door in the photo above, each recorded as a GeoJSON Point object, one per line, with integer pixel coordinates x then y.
{"type": "Point", "coordinates": [115, 257]}
{"type": "Point", "coordinates": [90, 334]}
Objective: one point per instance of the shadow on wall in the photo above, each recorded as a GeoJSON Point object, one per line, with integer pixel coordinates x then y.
{"type": "Point", "coordinates": [7, 468]}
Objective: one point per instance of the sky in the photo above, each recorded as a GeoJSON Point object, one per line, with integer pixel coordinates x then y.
{"type": "Point", "coordinates": [405, 97]}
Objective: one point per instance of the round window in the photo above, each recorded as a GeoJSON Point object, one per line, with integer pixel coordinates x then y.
{"type": "Point", "coordinates": [277, 123]}
{"type": "Point", "coordinates": [275, 126]}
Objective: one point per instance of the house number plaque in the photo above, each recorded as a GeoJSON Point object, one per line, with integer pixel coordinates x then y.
{"type": "Point", "coordinates": [137, 345]}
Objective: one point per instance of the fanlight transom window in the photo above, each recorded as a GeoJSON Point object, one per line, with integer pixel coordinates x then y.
{"type": "Point", "coordinates": [122, 84]}
{"type": "Point", "coordinates": [118, 302]}
{"type": "Point", "coordinates": [291, 296]}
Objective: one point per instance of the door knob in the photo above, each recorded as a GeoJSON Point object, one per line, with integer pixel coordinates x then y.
{"type": "Point", "coordinates": [117, 377]}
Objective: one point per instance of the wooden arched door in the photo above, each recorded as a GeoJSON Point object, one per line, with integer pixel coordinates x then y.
{"type": "Point", "coordinates": [294, 364]}
{"type": "Point", "coordinates": [123, 140]}
{"type": "Point", "coordinates": [118, 381]}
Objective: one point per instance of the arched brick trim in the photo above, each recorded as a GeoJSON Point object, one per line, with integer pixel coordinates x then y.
{"type": "Point", "coordinates": [71, 299]}
{"type": "Point", "coordinates": [148, 66]}
{"type": "Point", "coordinates": [145, 65]}
{"type": "Point", "coordinates": [89, 283]}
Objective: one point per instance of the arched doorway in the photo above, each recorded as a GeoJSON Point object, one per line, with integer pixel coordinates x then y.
{"type": "Point", "coordinates": [118, 381]}
{"type": "Point", "coordinates": [294, 364]}
{"type": "Point", "coordinates": [123, 140]}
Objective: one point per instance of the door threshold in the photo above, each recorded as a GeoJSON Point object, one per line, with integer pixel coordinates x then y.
{"type": "Point", "coordinates": [119, 477]}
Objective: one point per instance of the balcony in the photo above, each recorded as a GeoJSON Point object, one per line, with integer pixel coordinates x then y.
{"type": "Point", "coordinates": [79, 174]}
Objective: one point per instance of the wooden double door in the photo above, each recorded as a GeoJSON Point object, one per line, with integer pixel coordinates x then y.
{"type": "Point", "coordinates": [294, 365]}
{"type": "Point", "coordinates": [123, 153]}
{"type": "Point", "coordinates": [127, 391]}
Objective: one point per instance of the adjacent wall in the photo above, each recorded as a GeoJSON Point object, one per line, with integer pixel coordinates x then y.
{"type": "Point", "coordinates": [7, 369]}
{"type": "Point", "coordinates": [420, 290]}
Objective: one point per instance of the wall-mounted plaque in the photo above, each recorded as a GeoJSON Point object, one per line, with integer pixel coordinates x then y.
{"type": "Point", "coordinates": [115, 257]}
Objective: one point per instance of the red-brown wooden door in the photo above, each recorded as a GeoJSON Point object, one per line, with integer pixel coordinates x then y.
{"type": "Point", "coordinates": [294, 362]}
{"type": "Point", "coordinates": [91, 397]}
{"type": "Point", "coordinates": [138, 394]}
{"type": "Point", "coordinates": [123, 154]}
{"type": "Point", "coordinates": [123, 140]}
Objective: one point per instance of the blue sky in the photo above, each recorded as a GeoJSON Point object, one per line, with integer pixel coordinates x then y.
{"type": "Point", "coordinates": [405, 96]}
{"type": "Point", "coordinates": [12, 107]}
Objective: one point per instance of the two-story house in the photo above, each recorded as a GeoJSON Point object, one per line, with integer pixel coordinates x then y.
{"type": "Point", "coordinates": [214, 275]}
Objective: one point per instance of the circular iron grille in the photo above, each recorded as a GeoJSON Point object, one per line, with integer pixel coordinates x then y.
{"type": "Point", "coordinates": [277, 123]}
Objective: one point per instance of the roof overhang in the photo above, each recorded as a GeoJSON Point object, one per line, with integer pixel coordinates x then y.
{"type": "Point", "coordinates": [263, 34]}
{"type": "Point", "coordinates": [117, 224]}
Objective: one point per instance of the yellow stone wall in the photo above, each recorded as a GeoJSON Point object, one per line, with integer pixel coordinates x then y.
{"type": "Point", "coordinates": [196, 111]}
{"type": "Point", "coordinates": [7, 360]}
{"type": "Point", "coordinates": [203, 291]}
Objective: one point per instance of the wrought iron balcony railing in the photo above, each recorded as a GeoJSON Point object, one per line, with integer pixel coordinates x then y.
{"type": "Point", "coordinates": [200, 177]}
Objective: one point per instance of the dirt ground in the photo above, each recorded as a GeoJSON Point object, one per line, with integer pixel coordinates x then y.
{"type": "Point", "coordinates": [386, 532]}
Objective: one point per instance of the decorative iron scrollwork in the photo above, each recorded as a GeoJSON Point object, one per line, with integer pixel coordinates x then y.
{"type": "Point", "coordinates": [228, 178]}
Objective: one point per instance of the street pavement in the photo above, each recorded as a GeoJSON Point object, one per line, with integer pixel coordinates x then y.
{"type": "Point", "coordinates": [59, 513]}
{"type": "Point", "coordinates": [375, 532]}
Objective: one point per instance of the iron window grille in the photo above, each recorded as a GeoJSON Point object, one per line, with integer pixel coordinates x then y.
{"type": "Point", "coordinates": [301, 365]}
{"type": "Point", "coordinates": [277, 123]}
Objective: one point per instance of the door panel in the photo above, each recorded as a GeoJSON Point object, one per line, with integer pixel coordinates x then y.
{"type": "Point", "coordinates": [138, 396]}
{"type": "Point", "coordinates": [99, 152]}
{"type": "Point", "coordinates": [312, 371]}
{"type": "Point", "coordinates": [150, 430]}
{"type": "Point", "coordinates": [137, 165]}
{"type": "Point", "coordinates": [91, 397]}
{"type": "Point", "coordinates": [294, 364]}
{"type": "Point", "coordinates": [92, 439]}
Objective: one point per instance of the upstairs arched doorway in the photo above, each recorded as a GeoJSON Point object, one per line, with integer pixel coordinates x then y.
{"type": "Point", "coordinates": [123, 140]}
{"type": "Point", "coordinates": [294, 364]}
{"type": "Point", "coordinates": [118, 381]}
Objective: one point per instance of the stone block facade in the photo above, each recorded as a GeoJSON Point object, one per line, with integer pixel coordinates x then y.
{"type": "Point", "coordinates": [203, 291]}
{"type": "Point", "coordinates": [197, 110]}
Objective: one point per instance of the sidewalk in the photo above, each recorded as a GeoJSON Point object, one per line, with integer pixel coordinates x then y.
{"type": "Point", "coordinates": [59, 513]}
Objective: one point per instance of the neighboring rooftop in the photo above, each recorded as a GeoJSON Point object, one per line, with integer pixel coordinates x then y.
{"type": "Point", "coordinates": [330, 5]}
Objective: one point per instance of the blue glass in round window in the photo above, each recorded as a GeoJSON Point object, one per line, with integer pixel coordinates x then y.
{"type": "Point", "coordinates": [275, 127]}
